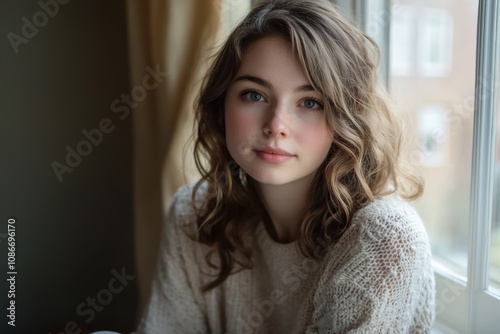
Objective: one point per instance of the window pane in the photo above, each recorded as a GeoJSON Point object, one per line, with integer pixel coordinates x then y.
{"type": "Point", "coordinates": [495, 226]}
{"type": "Point", "coordinates": [432, 79]}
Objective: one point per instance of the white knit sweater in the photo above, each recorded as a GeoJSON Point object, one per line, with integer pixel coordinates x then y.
{"type": "Point", "coordinates": [376, 279]}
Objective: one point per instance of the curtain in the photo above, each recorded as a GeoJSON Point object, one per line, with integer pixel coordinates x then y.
{"type": "Point", "coordinates": [168, 40]}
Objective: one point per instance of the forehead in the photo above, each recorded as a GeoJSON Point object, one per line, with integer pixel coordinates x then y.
{"type": "Point", "coordinates": [272, 58]}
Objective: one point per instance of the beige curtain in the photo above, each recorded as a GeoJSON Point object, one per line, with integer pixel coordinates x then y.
{"type": "Point", "coordinates": [169, 36]}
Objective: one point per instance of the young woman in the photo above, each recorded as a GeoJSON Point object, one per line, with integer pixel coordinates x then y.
{"type": "Point", "coordinates": [299, 223]}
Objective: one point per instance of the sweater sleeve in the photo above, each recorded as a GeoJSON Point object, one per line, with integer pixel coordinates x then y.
{"type": "Point", "coordinates": [175, 305]}
{"type": "Point", "coordinates": [380, 280]}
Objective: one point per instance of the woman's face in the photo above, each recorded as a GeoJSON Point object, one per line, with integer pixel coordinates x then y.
{"type": "Point", "coordinates": [276, 130]}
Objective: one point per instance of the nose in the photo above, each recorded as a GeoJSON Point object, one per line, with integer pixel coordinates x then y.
{"type": "Point", "coordinates": [276, 124]}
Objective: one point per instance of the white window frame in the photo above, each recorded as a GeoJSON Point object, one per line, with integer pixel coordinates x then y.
{"type": "Point", "coordinates": [483, 304]}
{"type": "Point", "coordinates": [464, 304]}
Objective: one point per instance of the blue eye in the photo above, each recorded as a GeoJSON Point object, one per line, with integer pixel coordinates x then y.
{"type": "Point", "coordinates": [253, 96]}
{"type": "Point", "coordinates": [312, 104]}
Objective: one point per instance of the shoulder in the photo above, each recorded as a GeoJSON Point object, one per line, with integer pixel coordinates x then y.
{"type": "Point", "coordinates": [389, 217]}
{"type": "Point", "coordinates": [180, 225]}
{"type": "Point", "coordinates": [387, 232]}
{"type": "Point", "coordinates": [379, 272]}
{"type": "Point", "coordinates": [182, 207]}
{"type": "Point", "coordinates": [387, 206]}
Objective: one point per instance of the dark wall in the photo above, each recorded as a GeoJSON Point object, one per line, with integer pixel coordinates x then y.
{"type": "Point", "coordinates": [73, 233]}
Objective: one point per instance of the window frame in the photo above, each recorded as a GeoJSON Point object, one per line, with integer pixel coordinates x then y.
{"type": "Point", "coordinates": [481, 301]}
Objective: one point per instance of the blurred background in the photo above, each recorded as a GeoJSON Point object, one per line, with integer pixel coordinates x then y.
{"type": "Point", "coordinates": [59, 74]}
{"type": "Point", "coordinates": [95, 110]}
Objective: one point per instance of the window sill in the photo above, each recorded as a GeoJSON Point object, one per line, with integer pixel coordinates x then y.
{"type": "Point", "coordinates": [440, 328]}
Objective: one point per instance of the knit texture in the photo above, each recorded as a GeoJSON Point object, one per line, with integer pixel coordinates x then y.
{"type": "Point", "coordinates": [376, 279]}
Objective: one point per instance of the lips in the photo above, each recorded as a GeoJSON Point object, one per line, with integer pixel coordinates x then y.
{"type": "Point", "coordinates": [274, 150]}
{"type": "Point", "coordinates": [273, 155]}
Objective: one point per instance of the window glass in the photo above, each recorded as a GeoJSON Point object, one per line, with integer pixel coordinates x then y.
{"type": "Point", "coordinates": [432, 79]}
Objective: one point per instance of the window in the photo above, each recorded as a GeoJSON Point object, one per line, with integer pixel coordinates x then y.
{"type": "Point", "coordinates": [449, 91]}
{"type": "Point", "coordinates": [436, 89]}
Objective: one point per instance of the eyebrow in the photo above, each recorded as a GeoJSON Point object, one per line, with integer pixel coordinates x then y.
{"type": "Point", "coordinates": [268, 85]}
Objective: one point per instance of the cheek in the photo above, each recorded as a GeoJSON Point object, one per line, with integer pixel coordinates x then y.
{"type": "Point", "coordinates": [235, 124]}
{"type": "Point", "coordinates": [317, 138]}
{"type": "Point", "coordinates": [239, 126]}
{"type": "Point", "coordinates": [238, 119]}
{"type": "Point", "coordinates": [318, 145]}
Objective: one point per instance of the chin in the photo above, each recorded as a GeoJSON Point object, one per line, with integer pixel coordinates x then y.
{"type": "Point", "coordinates": [272, 180]}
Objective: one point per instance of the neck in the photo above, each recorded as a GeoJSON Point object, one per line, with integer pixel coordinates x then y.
{"type": "Point", "coordinates": [283, 204]}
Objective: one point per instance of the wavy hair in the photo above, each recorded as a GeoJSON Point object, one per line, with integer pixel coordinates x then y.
{"type": "Point", "coordinates": [364, 162]}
